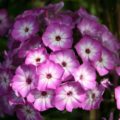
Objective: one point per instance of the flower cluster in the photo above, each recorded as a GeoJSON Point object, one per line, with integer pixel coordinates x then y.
{"type": "Point", "coordinates": [47, 66]}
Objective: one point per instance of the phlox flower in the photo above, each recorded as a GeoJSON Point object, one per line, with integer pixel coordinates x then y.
{"type": "Point", "coordinates": [36, 56]}
{"type": "Point", "coordinates": [110, 41]}
{"type": "Point", "coordinates": [64, 19]}
{"type": "Point", "coordinates": [5, 79]}
{"type": "Point", "coordinates": [89, 49]}
{"type": "Point", "coordinates": [24, 28]}
{"type": "Point", "coordinates": [85, 74]}
{"type": "Point", "coordinates": [67, 60]}
{"type": "Point", "coordinates": [93, 98]}
{"type": "Point", "coordinates": [34, 42]}
{"type": "Point", "coordinates": [14, 99]}
{"type": "Point", "coordinates": [89, 27]}
{"type": "Point", "coordinates": [106, 62]}
{"type": "Point", "coordinates": [24, 80]}
{"type": "Point", "coordinates": [49, 75]}
{"type": "Point", "coordinates": [117, 96]}
{"type": "Point", "coordinates": [4, 104]}
{"type": "Point", "coordinates": [84, 14]}
{"type": "Point", "coordinates": [69, 96]}
{"type": "Point", "coordinates": [4, 22]}
{"type": "Point", "coordinates": [42, 100]}
{"type": "Point", "coordinates": [27, 112]}
{"type": "Point", "coordinates": [57, 37]}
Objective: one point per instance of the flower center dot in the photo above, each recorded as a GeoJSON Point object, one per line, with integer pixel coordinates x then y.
{"type": "Point", "coordinates": [87, 51]}
{"type": "Point", "coordinates": [38, 60]}
{"type": "Point", "coordinates": [28, 111]}
{"type": "Point", "coordinates": [44, 93]}
{"type": "Point", "coordinates": [58, 38]}
{"type": "Point", "coordinates": [93, 96]}
{"type": "Point", "coordinates": [49, 76]}
{"type": "Point", "coordinates": [26, 29]}
{"type": "Point", "coordinates": [69, 93]}
{"type": "Point", "coordinates": [64, 64]}
{"type": "Point", "coordinates": [81, 77]}
{"type": "Point", "coordinates": [29, 80]}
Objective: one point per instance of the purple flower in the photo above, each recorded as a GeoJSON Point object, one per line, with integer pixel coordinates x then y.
{"type": "Point", "coordinates": [117, 96]}
{"type": "Point", "coordinates": [24, 80]}
{"type": "Point", "coordinates": [34, 42]}
{"type": "Point", "coordinates": [27, 112]}
{"type": "Point", "coordinates": [37, 12]}
{"type": "Point", "coordinates": [4, 22]}
{"type": "Point", "coordinates": [42, 100]}
{"type": "Point", "coordinates": [86, 76]}
{"type": "Point", "coordinates": [64, 19]}
{"type": "Point", "coordinates": [90, 27]}
{"type": "Point", "coordinates": [25, 28]}
{"type": "Point", "coordinates": [106, 62]}
{"type": "Point", "coordinates": [84, 14]}
{"type": "Point", "coordinates": [109, 41]}
{"type": "Point", "coordinates": [89, 49]}
{"type": "Point", "coordinates": [69, 96]}
{"type": "Point", "coordinates": [52, 9]}
{"type": "Point", "coordinates": [36, 56]}
{"type": "Point", "coordinates": [57, 37]}
{"type": "Point", "coordinates": [93, 98]}
{"type": "Point", "coordinates": [5, 78]}
{"type": "Point", "coordinates": [4, 104]}
{"type": "Point", "coordinates": [14, 99]}
{"type": "Point", "coordinates": [49, 75]}
{"type": "Point", "coordinates": [67, 60]}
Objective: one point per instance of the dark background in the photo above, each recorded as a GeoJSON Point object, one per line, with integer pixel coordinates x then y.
{"type": "Point", "coordinates": [108, 12]}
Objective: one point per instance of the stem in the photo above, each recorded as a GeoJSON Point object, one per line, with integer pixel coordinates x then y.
{"type": "Point", "coordinates": [93, 115]}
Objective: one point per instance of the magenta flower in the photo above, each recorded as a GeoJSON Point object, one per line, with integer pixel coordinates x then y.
{"type": "Point", "coordinates": [69, 96]}
{"type": "Point", "coordinates": [67, 60]}
{"type": "Point", "coordinates": [56, 60]}
{"type": "Point", "coordinates": [50, 75]}
{"type": "Point", "coordinates": [64, 19]}
{"type": "Point", "coordinates": [84, 14]}
{"type": "Point", "coordinates": [117, 96]}
{"type": "Point", "coordinates": [110, 41]}
{"type": "Point", "coordinates": [86, 76]}
{"type": "Point", "coordinates": [93, 98]}
{"type": "Point", "coordinates": [89, 49]}
{"type": "Point", "coordinates": [42, 100]}
{"type": "Point", "coordinates": [4, 22]}
{"type": "Point", "coordinates": [14, 99]}
{"type": "Point", "coordinates": [27, 112]}
{"type": "Point", "coordinates": [36, 56]}
{"type": "Point", "coordinates": [54, 8]}
{"type": "Point", "coordinates": [90, 27]}
{"type": "Point", "coordinates": [24, 28]}
{"type": "Point", "coordinates": [58, 37]}
{"type": "Point", "coordinates": [106, 62]}
{"type": "Point", "coordinates": [24, 80]}
{"type": "Point", "coordinates": [34, 42]}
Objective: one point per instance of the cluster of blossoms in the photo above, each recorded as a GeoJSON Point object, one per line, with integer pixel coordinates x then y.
{"type": "Point", "coordinates": [55, 59]}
